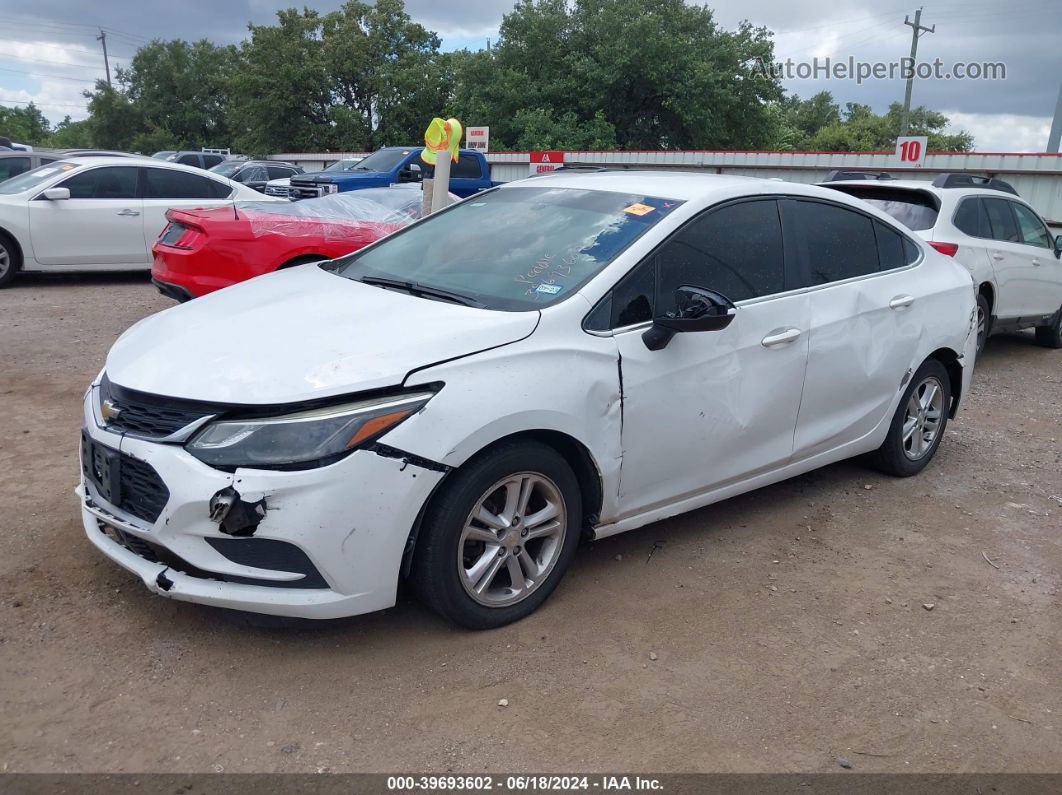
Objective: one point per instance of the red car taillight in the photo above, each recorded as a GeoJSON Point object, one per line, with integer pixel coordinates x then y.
{"type": "Point", "coordinates": [947, 249]}
{"type": "Point", "coordinates": [180, 235]}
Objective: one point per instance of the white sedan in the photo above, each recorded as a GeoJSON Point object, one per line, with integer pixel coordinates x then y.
{"type": "Point", "coordinates": [98, 213]}
{"type": "Point", "coordinates": [573, 355]}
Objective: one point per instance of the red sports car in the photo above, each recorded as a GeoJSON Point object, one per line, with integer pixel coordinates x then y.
{"type": "Point", "coordinates": [200, 251]}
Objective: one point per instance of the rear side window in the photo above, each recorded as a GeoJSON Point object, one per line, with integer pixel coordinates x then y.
{"type": "Point", "coordinates": [190, 160]}
{"type": "Point", "coordinates": [466, 167]}
{"type": "Point", "coordinates": [212, 160]}
{"type": "Point", "coordinates": [280, 172]}
{"type": "Point", "coordinates": [1033, 232]}
{"type": "Point", "coordinates": [251, 174]}
{"type": "Point", "coordinates": [891, 252]}
{"type": "Point", "coordinates": [971, 218]}
{"type": "Point", "coordinates": [162, 183]}
{"type": "Point", "coordinates": [1001, 220]}
{"type": "Point", "coordinates": [12, 166]}
{"type": "Point", "coordinates": [840, 242]}
{"type": "Point", "coordinates": [113, 182]}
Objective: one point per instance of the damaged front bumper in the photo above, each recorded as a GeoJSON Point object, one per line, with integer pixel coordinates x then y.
{"type": "Point", "coordinates": [318, 543]}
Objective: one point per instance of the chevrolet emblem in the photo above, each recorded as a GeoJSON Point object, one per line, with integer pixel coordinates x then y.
{"type": "Point", "coordinates": [110, 410]}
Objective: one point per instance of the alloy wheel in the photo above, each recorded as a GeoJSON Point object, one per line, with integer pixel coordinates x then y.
{"type": "Point", "coordinates": [5, 260]}
{"type": "Point", "coordinates": [512, 539]}
{"type": "Point", "coordinates": [982, 328]}
{"type": "Point", "coordinates": [922, 420]}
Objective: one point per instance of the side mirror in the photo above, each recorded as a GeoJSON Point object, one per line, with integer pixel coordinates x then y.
{"type": "Point", "coordinates": [696, 309]}
{"type": "Point", "coordinates": [57, 194]}
{"type": "Point", "coordinates": [410, 173]}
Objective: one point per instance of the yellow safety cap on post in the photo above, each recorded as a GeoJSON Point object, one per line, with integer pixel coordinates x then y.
{"type": "Point", "coordinates": [441, 136]}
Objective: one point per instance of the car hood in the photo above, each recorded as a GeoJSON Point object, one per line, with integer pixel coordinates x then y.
{"type": "Point", "coordinates": [300, 334]}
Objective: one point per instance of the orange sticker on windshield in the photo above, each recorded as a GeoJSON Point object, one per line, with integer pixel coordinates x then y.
{"type": "Point", "coordinates": [638, 209]}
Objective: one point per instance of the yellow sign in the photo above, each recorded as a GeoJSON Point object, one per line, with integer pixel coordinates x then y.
{"type": "Point", "coordinates": [639, 209]}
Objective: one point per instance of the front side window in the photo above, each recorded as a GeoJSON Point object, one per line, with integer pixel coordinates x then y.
{"type": "Point", "coordinates": [1032, 229]}
{"type": "Point", "coordinates": [971, 218]}
{"type": "Point", "coordinates": [111, 182]}
{"type": "Point", "coordinates": [164, 183]}
{"type": "Point", "coordinates": [187, 160]}
{"type": "Point", "coordinates": [13, 166]}
{"type": "Point", "coordinates": [280, 172]}
{"type": "Point", "coordinates": [512, 248]}
{"type": "Point", "coordinates": [1001, 220]}
{"type": "Point", "coordinates": [840, 242]}
{"type": "Point", "coordinates": [251, 174]}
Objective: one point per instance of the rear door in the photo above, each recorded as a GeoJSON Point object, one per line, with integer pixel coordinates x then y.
{"type": "Point", "coordinates": [466, 175]}
{"type": "Point", "coordinates": [866, 320]}
{"type": "Point", "coordinates": [168, 187]}
{"type": "Point", "coordinates": [100, 224]}
{"type": "Point", "coordinates": [1012, 261]}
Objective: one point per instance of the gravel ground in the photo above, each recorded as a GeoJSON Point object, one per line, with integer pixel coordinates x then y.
{"type": "Point", "coordinates": [778, 631]}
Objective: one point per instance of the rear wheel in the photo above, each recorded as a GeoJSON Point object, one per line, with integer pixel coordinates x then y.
{"type": "Point", "coordinates": [919, 423]}
{"type": "Point", "coordinates": [499, 537]}
{"type": "Point", "coordinates": [9, 260]}
{"type": "Point", "coordinates": [291, 263]}
{"type": "Point", "coordinates": [1050, 335]}
{"type": "Point", "coordinates": [984, 322]}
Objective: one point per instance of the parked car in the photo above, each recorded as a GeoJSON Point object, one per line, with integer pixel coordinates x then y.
{"type": "Point", "coordinates": [278, 188]}
{"type": "Point", "coordinates": [395, 165]}
{"type": "Point", "coordinates": [203, 160]}
{"type": "Point", "coordinates": [255, 173]}
{"type": "Point", "coordinates": [14, 163]}
{"type": "Point", "coordinates": [584, 353]}
{"type": "Point", "coordinates": [281, 188]}
{"type": "Point", "coordinates": [98, 213]}
{"type": "Point", "coordinates": [200, 251]}
{"type": "Point", "coordinates": [999, 238]}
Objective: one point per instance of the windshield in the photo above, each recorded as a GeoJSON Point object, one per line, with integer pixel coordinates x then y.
{"type": "Point", "coordinates": [39, 175]}
{"type": "Point", "coordinates": [344, 165]}
{"type": "Point", "coordinates": [512, 248]}
{"type": "Point", "coordinates": [383, 160]}
{"type": "Point", "coordinates": [228, 167]}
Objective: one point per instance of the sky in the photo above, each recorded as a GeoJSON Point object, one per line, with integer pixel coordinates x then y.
{"type": "Point", "coordinates": [49, 53]}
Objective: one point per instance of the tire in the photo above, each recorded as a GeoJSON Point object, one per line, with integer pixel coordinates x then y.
{"type": "Point", "coordinates": [905, 457]}
{"type": "Point", "coordinates": [10, 261]}
{"type": "Point", "coordinates": [984, 322]}
{"type": "Point", "coordinates": [458, 554]}
{"type": "Point", "coordinates": [1050, 336]}
{"type": "Point", "coordinates": [305, 258]}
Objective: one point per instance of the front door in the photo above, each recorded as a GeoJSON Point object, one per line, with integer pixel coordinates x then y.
{"type": "Point", "coordinates": [711, 407]}
{"type": "Point", "coordinates": [100, 224]}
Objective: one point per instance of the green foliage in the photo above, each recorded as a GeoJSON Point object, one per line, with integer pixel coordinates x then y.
{"type": "Point", "coordinates": [24, 125]}
{"type": "Point", "coordinates": [565, 74]}
{"type": "Point", "coordinates": [818, 124]}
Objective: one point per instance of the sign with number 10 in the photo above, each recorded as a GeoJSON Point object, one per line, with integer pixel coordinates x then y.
{"type": "Point", "coordinates": [911, 151]}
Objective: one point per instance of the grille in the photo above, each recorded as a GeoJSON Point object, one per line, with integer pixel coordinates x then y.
{"type": "Point", "coordinates": [142, 492]}
{"type": "Point", "coordinates": [309, 191]}
{"type": "Point", "coordinates": [147, 415]}
{"type": "Point", "coordinates": [277, 190]}
{"type": "Point", "coordinates": [125, 482]}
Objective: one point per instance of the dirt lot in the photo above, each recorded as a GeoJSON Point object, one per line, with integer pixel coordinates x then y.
{"type": "Point", "coordinates": [788, 627]}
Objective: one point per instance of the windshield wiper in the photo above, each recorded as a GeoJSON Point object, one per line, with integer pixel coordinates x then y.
{"type": "Point", "coordinates": [421, 291]}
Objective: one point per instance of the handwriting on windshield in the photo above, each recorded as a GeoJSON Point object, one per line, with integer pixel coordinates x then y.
{"type": "Point", "coordinates": [546, 271]}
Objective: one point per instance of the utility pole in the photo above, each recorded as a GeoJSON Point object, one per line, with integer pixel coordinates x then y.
{"type": "Point", "coordinates": [103, 37]}
{"type": "Point", "coordinates": [1054, 140]}
{"type": "Point", "coordinates": [917, 29]}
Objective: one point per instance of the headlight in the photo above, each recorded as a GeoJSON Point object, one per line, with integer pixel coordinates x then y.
{"type": "Point", "coordinates": [330, 187]}
{"type": "Point", "coordinates": [303, 439]}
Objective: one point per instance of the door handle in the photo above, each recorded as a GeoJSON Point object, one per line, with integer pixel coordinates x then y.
{"type": "Point", "coordinates": [901, 302]}
{"type": "Point", "coordinates": [1037, 263]}
{"type": "Point", "coordinates": [780, 337]}
{"type": "Point", "coordinates": [129, 213]}
{"type": "Point", "coordinates": [997, 256]}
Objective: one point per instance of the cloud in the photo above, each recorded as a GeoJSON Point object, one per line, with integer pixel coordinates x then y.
{"type": "Point", "coordinates": [1003, 132]}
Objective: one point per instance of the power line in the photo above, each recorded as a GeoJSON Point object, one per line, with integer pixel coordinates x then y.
{"type": "Point", "coordinates": [41, 74]}
{"type": "Point", "coordinates": [43, 104]}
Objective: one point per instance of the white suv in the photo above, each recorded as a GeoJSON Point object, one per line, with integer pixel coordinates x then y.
{"type": "Point", "coordinates": [1000, 239]}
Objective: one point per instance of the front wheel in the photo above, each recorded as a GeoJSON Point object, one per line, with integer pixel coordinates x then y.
{"type": "Point", "coordinates": [9, 262]}
{"type": "Point", "coordinates": [499, 537]}
{"type": "Point", "coordinates": [919, 423]}
{"type": "Point", "coordinates": [984, 320]}
{"type": "Point", "coordinates": [1050, 335]}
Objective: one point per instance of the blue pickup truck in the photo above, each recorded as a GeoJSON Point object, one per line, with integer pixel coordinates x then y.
{"type": "Point", "coordinates": [392, 165]}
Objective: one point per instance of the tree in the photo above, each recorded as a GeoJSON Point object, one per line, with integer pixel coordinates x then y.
{"type": "Point", "coordinates": [861, 130]}
{"type": "Point", "coordinates": [25, 125]}
{"type": "Point", "coordinates": [69, 134]}
{"type": "Point", "coordinates": [660, 72]}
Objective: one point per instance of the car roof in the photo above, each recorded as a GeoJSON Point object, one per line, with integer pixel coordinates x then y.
{"type": "Point", "coordinates": [685, 185]}
{"type": "Point", "coordinates": [147, 162]}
